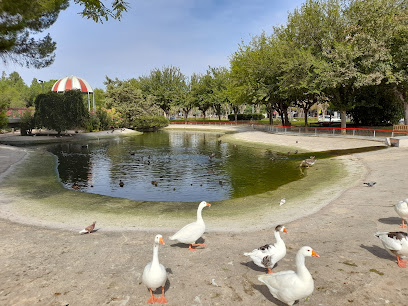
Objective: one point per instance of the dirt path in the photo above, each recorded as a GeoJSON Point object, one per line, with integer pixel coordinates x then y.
{"type": "Point", "coordinates": [42, 266]}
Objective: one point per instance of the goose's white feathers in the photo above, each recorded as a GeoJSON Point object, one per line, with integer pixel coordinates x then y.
{"type": "Point", "coordinates": [154, 274]}
{"type": "Point", "coordinates": [290, 286]}
{"type": "Point", "coordinates": [402, 210]}
{"type": "Point", "coordinates": [268, 255]}
{"type": "Point", "coordinates": [191, 232]}
{"type": "Point", "coordinates": [396, 243]}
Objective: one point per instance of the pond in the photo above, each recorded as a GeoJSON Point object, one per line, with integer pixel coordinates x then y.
{"type": "Point", "coordinates": [173, 166]}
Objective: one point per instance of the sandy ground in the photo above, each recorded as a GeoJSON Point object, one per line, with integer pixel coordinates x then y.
{"type": "Point", "coordinates": [48, 266]}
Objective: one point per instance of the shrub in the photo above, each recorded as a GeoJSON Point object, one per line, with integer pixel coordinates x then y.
{"type": "Point", "coordinates": [146, 123]}
{"type": "Point", "coordinates": [246, 117]}
{"type": "Point", "coordinates": [27, 123]}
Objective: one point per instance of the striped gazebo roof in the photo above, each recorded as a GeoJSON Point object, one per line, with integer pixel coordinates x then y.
{"type": "Point", "coordinates": [70, 83]}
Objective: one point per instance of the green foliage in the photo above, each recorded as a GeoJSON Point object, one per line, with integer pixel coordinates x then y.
{"type": "Point", "coordinates": [246, 117]}
{"type": "Point", "coordinates": [60, 112]}
{"type": "Point", "coordinates": [22, 20]}
{"type": "Point", "coordinates": [98, 12]}
{"type": "Point", "coordinates": [129, 101]}
{"type": "Point", "coordinates": [150, 123]}
{"type": "Point", "coordinates": [166, 85]}
{"type": "Point", "coordinates": [27, 123]}
{"type": "Point", "coordinates": [14, 92]}
{"type": "Point", "coordinates": [3, 118]}
{"type": "Point", "coordinates": [376, 105]}
{"type": "Point", "coordinates": [101, 120]}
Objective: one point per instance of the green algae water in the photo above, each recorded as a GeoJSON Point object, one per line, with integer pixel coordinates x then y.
{"type": "Point", "coordinates": [173, 166]}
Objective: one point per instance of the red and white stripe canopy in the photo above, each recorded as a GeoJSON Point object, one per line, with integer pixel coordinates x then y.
{"type": "Point", "coordinates": [70, 83]}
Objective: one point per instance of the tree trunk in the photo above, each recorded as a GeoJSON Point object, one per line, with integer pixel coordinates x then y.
{"type": "Point", "coordinates": [306, 111]}
{"type": "Point", "coordinates": [343, 121]}
{"type": "Point", "coordinates": [405, 112]}
{"type": "Point", "coordinates": [270, 114]}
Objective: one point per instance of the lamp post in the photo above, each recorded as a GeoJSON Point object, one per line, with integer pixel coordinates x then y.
{"type": "Point", "coordinates": [42, 85]}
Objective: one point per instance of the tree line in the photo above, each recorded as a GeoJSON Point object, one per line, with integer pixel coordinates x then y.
{"type": "Point", "coordinates": [351, 54]}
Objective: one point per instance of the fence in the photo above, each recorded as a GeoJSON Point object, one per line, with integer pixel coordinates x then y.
{"type": "Point", "coordinates": [315, 130]}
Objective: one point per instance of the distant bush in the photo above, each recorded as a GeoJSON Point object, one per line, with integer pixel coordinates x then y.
{"type": "Point", "coordinates": [150, 123]}
{"type": "Point", "coordinates": [27, 123]}
{"type": "Point", "coordinates": [246, 117]}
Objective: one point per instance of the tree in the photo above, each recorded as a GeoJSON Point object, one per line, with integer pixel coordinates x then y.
{"type": "Point", "coordinates": [166, 85]}
{"type": "Point", "coordinates": [60, 112]}
{"type": "Point", "coordinates": [22, 20]}
{"type": "Point", "coordinates": [130, 102]}
{"type": "Point", "coordinates": [219, 86]}
{"type": "Point", "coordinates": [302, 80]}
{"type": "Point", "coordinates": [376, 105]}
{"type": "Point", "coordinates": [14, 93]}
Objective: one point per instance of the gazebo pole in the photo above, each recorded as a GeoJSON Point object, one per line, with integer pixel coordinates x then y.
{"type": "Point", "coordinates": [89, 103]}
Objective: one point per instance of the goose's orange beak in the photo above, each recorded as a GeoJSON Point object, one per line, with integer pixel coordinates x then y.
{"type": "Point", "coordinates": [208, 204]}
{"type": "Point", "coordinates": [285, 231]}
{"type": "Point", "coordinates": [161, 241]}
{"type": "Point", "coordinates": [314, 254]}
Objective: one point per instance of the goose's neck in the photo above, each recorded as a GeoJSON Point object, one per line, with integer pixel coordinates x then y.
{"type": "Point", "coordinates": [302, 271]}
{"type": "Point", "coordinates": [155, 254]}
{"type": "Point", "coordinates": [199, 216]}
{"type": "Point", "coordinates": [277, 236]}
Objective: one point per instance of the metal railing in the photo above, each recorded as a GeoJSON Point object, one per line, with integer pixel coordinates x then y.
{"type": "Point", "coordinates": [312, 130]}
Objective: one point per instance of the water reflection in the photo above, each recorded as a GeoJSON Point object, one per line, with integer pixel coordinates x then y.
{"type": "Point", "coordinates": [172, 166]}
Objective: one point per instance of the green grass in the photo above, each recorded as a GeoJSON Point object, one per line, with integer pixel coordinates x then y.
{"type": "Point", "coordinates": [36, 192]}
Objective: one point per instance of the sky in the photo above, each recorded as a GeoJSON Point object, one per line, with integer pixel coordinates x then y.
{"type": "Point", "coordinates": [189, 34]}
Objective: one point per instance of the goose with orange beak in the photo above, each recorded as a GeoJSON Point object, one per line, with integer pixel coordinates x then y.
{"type": "Point", "coordinates": [268, 255]}
{"type": "Point", "coordinates": [190, 233]}
{"type": "Point", "coordinates": [290, 286]}
{"type": "Point", "coordinates": [154, 274]}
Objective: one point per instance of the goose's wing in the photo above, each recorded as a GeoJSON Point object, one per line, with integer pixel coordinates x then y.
{"type": "Point", "coordinates": [190, 232]}
{"type": "Point", "coordinates": [392, 240]}
{"type": "Point", "coordinates": [280, 281]}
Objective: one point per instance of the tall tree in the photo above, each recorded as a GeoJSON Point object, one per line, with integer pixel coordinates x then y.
{"type": "Point", "coordinates": [21, 21]}
{"type": "Point", "coordinates": [166, 85]}
{"type": "Point", "coordinates": [129, 102]}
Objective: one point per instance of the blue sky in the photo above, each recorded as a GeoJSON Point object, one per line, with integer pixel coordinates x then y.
{"type": "Point", "coordinates": [189, 34]}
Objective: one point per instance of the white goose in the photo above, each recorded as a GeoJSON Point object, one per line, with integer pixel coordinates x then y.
{"type": "Point", "coordinates": [268, 255]}
{"type": "Point", "coordinates": [154, 274]}
{"type": "Point", "coordinates": [290, 286]}
{"type": "Point", "coordinates": [191, 232]}
{"type": "Point", "coordinates": [396, 243]}
{"type": "Point", "coordinates": [402, 210]}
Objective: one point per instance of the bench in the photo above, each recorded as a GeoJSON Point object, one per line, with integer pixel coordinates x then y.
{"type": "Point", "coordinates": [400, 127]}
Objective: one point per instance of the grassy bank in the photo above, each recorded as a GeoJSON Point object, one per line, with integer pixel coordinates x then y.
{"type": "Point", "coordinates": [34, 193]}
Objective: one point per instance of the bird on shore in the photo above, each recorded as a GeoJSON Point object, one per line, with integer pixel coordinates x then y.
{"type": "Point", "coordinates": [370, 184]}
{"type": "Point", "coordinates": [282, 201]}
{"type": "Point", "coordinates": [190, 233]}
{"type": "Point", "coordinates": [155, 183]}
{"type": "Point", "coordinates": [75, 186]}
{"type": "Point", "coordinates": [308, 162]}
{"type": "Point", "coordinates": [88, 229]}
{"type": "Point", "coordinates": [396, 243]}
{"type": "Point", "coordinates": [268, 255]}
{"type": "Point", "coordinates": [290, 286]}
{"type": "Point", "coordinates": [154, 274]}
{"type": "Point", "coordinates": [402, 210]}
